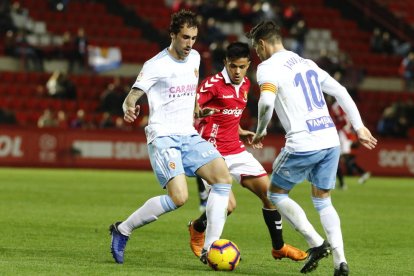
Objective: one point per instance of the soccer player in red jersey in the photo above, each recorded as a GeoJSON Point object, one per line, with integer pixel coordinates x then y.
{"type": "Point", "coordinates": [223, 97]}
{"type": "Point", "coordinates": [347, 139]}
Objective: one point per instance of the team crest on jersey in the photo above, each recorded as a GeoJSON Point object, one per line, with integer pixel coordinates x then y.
{"type": "Point", "coordinates": [171, 165]}
{"type": "Point", "coordinates": [196, 72]}
{"type": "Point", "coordinates": [245, 95]}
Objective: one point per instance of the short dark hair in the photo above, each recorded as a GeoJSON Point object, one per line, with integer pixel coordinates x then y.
{"type": "Point", "coordinates": [266, 30]}
{"type": "Point", "coordinates": [181, 18]}
{"type": "Point", "coordinates": [238, 50]}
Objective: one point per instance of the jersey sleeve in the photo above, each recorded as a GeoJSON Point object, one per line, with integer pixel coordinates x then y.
{"type": "Point", "coordinates": [267, 78]}
{"type": "Point", "coordinates": [205, 92]}
{"type": "Point", "coordinates": [147, 77]}
{"type": "Point", "coordinates": [334, 88]}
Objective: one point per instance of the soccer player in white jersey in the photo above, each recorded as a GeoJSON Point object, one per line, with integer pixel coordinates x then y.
{"type": "Point", "coordinates": [226, 95]}
{"type": "Point", "coordinates": [292, 86]}
{"type": "Point", "coordinates": [175, 148]}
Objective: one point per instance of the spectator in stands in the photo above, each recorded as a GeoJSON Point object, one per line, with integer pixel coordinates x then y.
{"type": "Point", "coordinates": [40, 91]}
{"type": "Point", "coordinates": [212, 32]}
{"type": "Point", "coordinates": [112, 98]}
{"type": "Point", "coordinates": [407, 71]}
{"type": "Point", "coordinates": [58, 5]}
{"type": "Point", "coordinates": [265, 11]}
{"type": "Point", "coordinates": [298, 33]}
{"type": "Point", "coordinates": [16, 45]}
{"type": "Point", "coordinates": [79, 121]}
{"type": "Point", "coordinates": [393, 122]}
{"type": "Point", "coordinates": [106, 121]}
{"type": "Point", "coordinates": [326, 62]}
{"type": "Point", "coordinates": [62, 121]}
{"type": "Point", "coordinates": [217, 50]}
{"type": "Point", "coordinates": [120, 124]}
{"type": "Point", "coordinates": [59, 86]}
{"type": "Point", "coordinates": [10, 43]}
{"type": "Point", "coordinates": [19, 16]}
{"type": "Point", "coordinates": [46, 119]}
{"type": "Point", "coordinates": [66, 50]}
{"type": "Point", "coordinates": [6, 22]}
{"type": "Point", "coordinates": [79, 57]}
{"type": "Point", "coordinates": [387, 45]}
{"type": "Point", "coordinates": [348, 75]}
{"type": "Point", "coordinates": [376, 41]}
{"type": "Point", "coordinates": [291, 15]}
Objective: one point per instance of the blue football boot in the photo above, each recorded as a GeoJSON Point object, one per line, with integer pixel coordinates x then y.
{"type": "Point", "coordinates": [118, 243]}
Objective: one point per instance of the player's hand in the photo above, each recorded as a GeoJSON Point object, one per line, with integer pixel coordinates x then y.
{"type": "Point", "coordinates": [246, 136]}
{"type": "Point", "coordinates": [131, 114]}
{"type": "Point", "coordinates": [207, 111]}
{"type": "Point", "coordinates": [257, 141]}
{"type": "Point", "coordinates": [366, 139]}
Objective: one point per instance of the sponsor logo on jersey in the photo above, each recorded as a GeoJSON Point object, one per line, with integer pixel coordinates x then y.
{"type": "Point", "coordinates": [236, 112]}
{"type": "Point", "coordinates": [228, 96]}
{"type": "Point", "coordinates": [320, 123]}
{"type": "Point", "coordinates": [182, 90]}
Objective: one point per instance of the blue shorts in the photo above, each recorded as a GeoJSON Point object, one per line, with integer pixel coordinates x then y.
{"type": "Point", "coordinates": [174, 155]}
{"type": "Point", "coordinates": [318, 167]}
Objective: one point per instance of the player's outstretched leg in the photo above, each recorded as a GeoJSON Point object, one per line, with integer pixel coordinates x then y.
{"type": "Point", "coordinates": [196, 238]}
{"type": "Point", "coordinates": [118, 243]}
{"type": "Point", "coordinates": [342, 270]}
{"type": "Point", "coordinates": [280, 249]}
{"type": "Point", "coordinates": [315, 254]}
{"type": "Point", "coordinates": [288, 251]}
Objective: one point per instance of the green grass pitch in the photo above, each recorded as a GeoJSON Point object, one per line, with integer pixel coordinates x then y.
{"type": "Point", "coordinates": [55, 222]}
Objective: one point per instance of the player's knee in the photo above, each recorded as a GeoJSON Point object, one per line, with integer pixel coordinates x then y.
{"type": "Point", "coordinates": [222, 179]}
{"type": "Point", "coordinates": [179, 200]}
{"type": "Point", "coordinates": [321, 203]}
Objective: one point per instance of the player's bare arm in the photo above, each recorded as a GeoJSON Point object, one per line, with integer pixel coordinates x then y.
{"type": "Point", "coordinates": [366, 139]}
{"type": "Point", "coordinates": [204, 112]}
{"type": "Point", "coordinates": [247, 137]}
{"type": "Point", "coordinates": [131, 111]}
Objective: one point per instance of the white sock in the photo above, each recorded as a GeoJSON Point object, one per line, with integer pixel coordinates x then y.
{"type": "Point", "coordinates": [293, 213]}
{"type": "Point", "coordinates": [216, 211]}
{"type": "Point", "coordinates": [147, 213]}
{"type": "Point", "coordinates": [332, 226]}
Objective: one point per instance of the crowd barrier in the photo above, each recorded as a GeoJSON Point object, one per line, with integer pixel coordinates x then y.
{"type": "Point", "coordinates": [111, 149]}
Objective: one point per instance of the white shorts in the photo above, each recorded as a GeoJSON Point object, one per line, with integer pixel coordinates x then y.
{"type": "Point", "coordinates": [242, 164]}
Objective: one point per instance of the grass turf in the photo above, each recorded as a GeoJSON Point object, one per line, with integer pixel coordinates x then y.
{"type": "Point", "coordinates": [55, 222]}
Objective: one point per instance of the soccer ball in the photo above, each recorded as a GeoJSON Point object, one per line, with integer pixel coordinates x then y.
{"type": "Point", "coordinates": [223, 255]}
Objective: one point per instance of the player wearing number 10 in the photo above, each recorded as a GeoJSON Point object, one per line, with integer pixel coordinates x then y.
{"type": "Point", "coordinates": [293, 86]}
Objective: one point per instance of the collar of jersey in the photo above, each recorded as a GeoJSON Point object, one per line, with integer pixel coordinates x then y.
{"type": "Point", "coordinates": [173, 58]}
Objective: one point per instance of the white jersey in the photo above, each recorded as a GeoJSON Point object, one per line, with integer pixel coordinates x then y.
{"type": "Point", "coordinates": [299, 102]}
{"type": "Point", "coordinates": [170, 85]}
